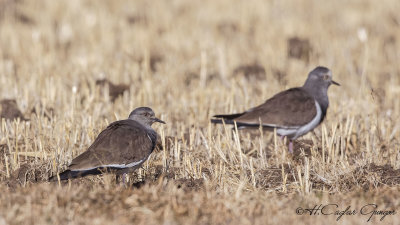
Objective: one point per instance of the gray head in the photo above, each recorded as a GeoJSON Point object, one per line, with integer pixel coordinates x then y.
{"type": "Point", "coordinates": [317, 85]}
{"type": "Point", "coordinates": [319, 78]}
{"type": "Point", "coordinates": [145, 116]}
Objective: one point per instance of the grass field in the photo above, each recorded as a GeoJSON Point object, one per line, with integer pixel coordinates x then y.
{"type": "Point", "coordinates": [189, 60]}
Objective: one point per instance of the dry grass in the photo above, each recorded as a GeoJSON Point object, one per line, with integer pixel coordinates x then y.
{"type": "Point", "coordinates": [189, 60]}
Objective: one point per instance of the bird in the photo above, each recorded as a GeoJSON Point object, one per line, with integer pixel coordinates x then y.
{"type": "Point", "coordinates": [120, 148]}
{"type": "Point", "coordinates": [293, 112]}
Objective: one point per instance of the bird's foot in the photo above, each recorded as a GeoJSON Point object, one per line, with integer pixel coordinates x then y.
{"type": "Point", "coordinates": [291, 147]}
{"type": "Point", "coordinates": [124, 180]}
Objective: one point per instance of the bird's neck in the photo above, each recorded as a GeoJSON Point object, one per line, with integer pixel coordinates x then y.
{"type": "Point", "coordinates": [153, 136]}
{"type": "Point", "coordinates": [319, 94]}
{"type": "Point", "coordinates": [153, 133]}
{"type": "Point", "coordinates": [148, 127]}
{"type": "Point", "coordinates": [141, 122]}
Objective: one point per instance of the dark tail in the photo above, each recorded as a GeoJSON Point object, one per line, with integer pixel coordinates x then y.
{"type": "Point", "coordinates": [221, 121]}
{"type": "Point", "coordinates": [69, 174]}
{"type": "Point", "coordinates": [229, 116]}
{"type": "Point", "coordinates": [227, 119]}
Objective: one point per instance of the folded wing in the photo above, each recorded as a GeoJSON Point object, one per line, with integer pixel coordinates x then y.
{"type": "Point", "coordinates": [122, 144]}
{"type": "Point", "coordinates": [288, 109]}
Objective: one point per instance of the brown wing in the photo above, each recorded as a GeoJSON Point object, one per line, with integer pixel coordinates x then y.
{"type": "Point", "coordinates": [122, 142]}
{"type": "Point", "coordinates": [290, 108]}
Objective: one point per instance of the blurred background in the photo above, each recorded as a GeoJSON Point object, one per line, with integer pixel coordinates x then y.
{"type": "Point", "coordinates": [245, 49]}
{"type": "Point", "coordinates": [70, 67]}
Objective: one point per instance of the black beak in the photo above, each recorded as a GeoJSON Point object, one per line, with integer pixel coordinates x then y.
{"type": "Point", "coordinates": [335, 83]}
{"type": "Point", "coordinates": [158, 120]}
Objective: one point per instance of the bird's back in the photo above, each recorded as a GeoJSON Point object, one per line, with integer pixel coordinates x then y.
{"type": "Point", "coordinates": [122, 143]}
{"type": "Point", "coordinates": [291, 108]}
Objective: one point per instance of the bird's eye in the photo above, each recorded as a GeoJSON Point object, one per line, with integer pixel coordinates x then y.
{"type": "Point", "coordinates": [326, 77]}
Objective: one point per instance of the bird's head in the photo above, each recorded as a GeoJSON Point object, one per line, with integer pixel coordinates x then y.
{"type": "Point", "coordinates": [320, 77]}
{"type": "Point", "coordinates": [144, 115]}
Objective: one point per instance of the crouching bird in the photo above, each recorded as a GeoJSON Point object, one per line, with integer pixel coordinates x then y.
{"type": "Point", "coordinates": [121, 148]}
{"type": "Point", "coordinates": [293, 112]}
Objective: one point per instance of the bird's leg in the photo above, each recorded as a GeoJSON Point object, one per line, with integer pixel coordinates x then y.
{"type": "Point", "coordinates": [283, 139]}
{"type": "Point", "coordinates": [124, 179]}
{"type": "Point", "coordinates": [120, 177]}
{"type": "Point", "coordinates": [117, 178]}
{"type": "Point", "coordinates": [290, 146]}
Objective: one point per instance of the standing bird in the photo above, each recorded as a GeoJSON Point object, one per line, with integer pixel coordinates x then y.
{"type": "Point", "coordinates": [293, 112]}
{"type": "Point", "coordinates": [121, 148]}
